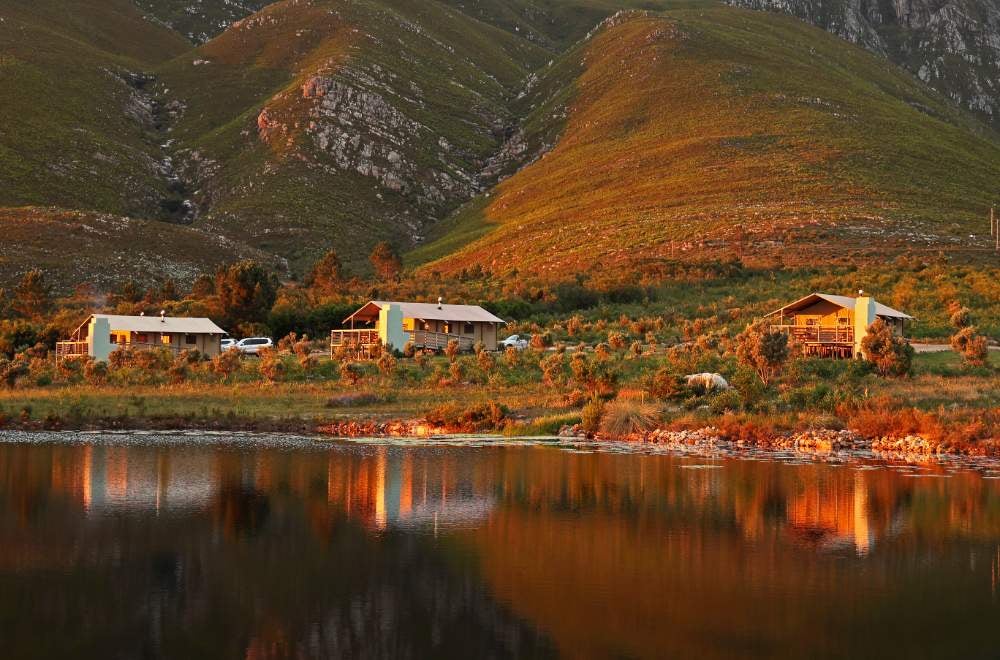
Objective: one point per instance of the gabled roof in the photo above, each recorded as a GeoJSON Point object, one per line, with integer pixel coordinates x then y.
{"type": "Point", "coordinates": [845, 302]}
{"type": "Point", "coordinates": [172, 324]}
{"type": "Point", "coordinates": [429, 312]}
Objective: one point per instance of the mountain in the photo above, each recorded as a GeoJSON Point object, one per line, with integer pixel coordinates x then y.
{"type": "Point", "coordinates": [558, 136]}
{"type": "Point", "coordinates": [199, 20]}
{"type": "Point", "coordinates": [952, 45]}
{"type": "Point", "coordinates": [704, 133]}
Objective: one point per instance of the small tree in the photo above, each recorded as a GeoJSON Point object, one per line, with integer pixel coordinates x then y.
{"type": "Point", "coordinates": [762, 349]}
{"type": "Point", "coordinates": [891, 354]}
{"type": "Point", "coordinates": [387, 364]}
{"type": "Point", "coordinates": [327, 276]}
{"type": "Point", "coordinates": [971, 345]}
{"type": "Point", "coordinates": [386, 262]}
{"type": "Point", "coordinates": [451, 350]}
{"type": "Point", "coordinates": [486, 361]}
{"type": "Point", "coordinates": [961, 318]}
{"type": "Point", "coordinates": [350, 373]}
{"type": "Point", "coordinates": [31, 297]}
{"type": "Point", "coordinates": [246, 292]}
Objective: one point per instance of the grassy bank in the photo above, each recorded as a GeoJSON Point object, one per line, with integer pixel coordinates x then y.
{"type": "Point", "coordinates": [534, 392]}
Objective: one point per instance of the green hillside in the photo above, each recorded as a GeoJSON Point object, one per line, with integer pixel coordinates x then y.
{"type": "Point", "coordinates": [322, 124]}
{"type": "Point", "coordinates": [704, 133]}
{"type": "Point", "coordinates": [75, 129]}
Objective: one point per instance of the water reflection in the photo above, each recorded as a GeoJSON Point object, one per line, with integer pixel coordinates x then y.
{"type": "Point", "coordinates": [375, 551]}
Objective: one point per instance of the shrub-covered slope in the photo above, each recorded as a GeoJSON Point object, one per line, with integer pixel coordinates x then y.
{"type": "Point", "coordinates": [317, 124]}
{"type": "Point", "coordinates": [710, 132]}
{"type": "Point", "coordinates": [74, 125]}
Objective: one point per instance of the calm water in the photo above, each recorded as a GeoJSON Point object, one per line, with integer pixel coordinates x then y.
{"type": "Point", "coordinates": [156, 547]}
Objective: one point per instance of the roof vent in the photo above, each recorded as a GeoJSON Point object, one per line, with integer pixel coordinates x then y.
{"type": "Point", "coordinates": [440, 300]}
{"type": "Point", "coordinates": [142, 313]}
{"type": "Point", "coordinates": [163, 316]}
{"type": "Point", "coordinates": [861, 292]}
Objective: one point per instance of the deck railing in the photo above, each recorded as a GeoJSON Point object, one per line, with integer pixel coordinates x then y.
{"type": "Point", "coordinates": [815, 334]}
{"type": "Point", "coordinates": [365, 337]}
{"type": "Point", "coordinates": [66, 349]}
{"type": "Point", "coordinates": [439, 340]}
{"type": "Point", "coordinates": [420, 338]}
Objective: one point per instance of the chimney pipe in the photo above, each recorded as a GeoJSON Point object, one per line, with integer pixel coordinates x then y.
{"type": "Point", "coordinates": [163, 314]}
{"type": "Point", "coordinates": [440, 300]}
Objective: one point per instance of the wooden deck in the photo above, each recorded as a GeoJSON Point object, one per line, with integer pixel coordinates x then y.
{"type": "Point", "coordinates": [362, 340]}
{"type": "Point", "coordinates": [68, 349]}
{"type": "Point", "coordinates": [823, 341]}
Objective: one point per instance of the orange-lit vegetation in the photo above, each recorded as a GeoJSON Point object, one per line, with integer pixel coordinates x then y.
{"type": "Point", "coordinates": [710, 131]}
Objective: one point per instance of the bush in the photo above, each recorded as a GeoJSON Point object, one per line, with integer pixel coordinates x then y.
{"type": "Point", "coordinates": [475, 417]}
{"type": "Point", "coordinates": [451, 350]}
{"type": "Point", "coordinates": [96, 372]}
{"type": "Point", "coordinates": [972, 346]}
{"type": "Point", "coordinates": [591, 415]}
{"type": "Point", "coordinates": [227, 363]}
{"type": "Point", "coordinates": [665, 384]}
{"type": "Point", "coordinates": [271, 365]}
{"type": "Point", "coordinates": [728, 401]}
{"type": "Point", "coordinates": [387, 364]}
{"type": "Point", "coordinates": [616, 340]}
{"type": "Point", "coordinates": [625, 417]}
{"type": "Point", "coordinates": [763, 350]}
{"type": "Point", "coordinates": [350, 373]}
{"type": "Point", "coordinates": [892, 355]}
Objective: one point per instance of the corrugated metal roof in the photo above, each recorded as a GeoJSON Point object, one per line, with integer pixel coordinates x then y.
{"type": "Point", "coordinates": [846, 302]}
{"type": "Point", "coordinates": [433, 312]}
{"type": "Point", "coordinates": [176, 324]}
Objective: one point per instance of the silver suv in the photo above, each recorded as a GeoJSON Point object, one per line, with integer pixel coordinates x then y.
{"type": "Point", "coordinates": [253, 345]}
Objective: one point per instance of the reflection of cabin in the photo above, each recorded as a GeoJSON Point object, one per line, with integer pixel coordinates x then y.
{"type": "Point", "coordinates": [425, 325]}
{"type": "Point", "coordinates": [834, 326]}
{"type": "Point", "coordinates": [101, 334]}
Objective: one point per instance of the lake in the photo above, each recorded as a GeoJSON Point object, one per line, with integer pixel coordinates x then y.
{"type": "Point", "coordinates": [259, 547]}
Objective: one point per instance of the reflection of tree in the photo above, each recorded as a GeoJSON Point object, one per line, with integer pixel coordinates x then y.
{"type": "Point", "coordinates": [240, 511]}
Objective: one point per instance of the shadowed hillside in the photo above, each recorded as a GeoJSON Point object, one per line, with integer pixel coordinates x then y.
{"type": "Point", "coordinates": [698, 134]}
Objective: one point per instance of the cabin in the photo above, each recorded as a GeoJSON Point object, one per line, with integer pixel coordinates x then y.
{"type": "Point", "coordinates": [828, 325]}
{"type": "Point", "coordinates": [101, 334]}
{"type": "Point", "coordinates": [426, 325]}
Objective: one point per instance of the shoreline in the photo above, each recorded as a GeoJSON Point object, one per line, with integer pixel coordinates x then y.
{"type": "Point", "coordinates": [700, 441]}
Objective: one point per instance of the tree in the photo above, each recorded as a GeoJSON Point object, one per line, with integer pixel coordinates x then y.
{"type": "Point", "coordinates": [762, 349]}
{"type": "Point", "coordinates": [386, 261]}
{"type": "Point", "coordinates": [31, 297]}
{"type": "Point", "coordinates": [203, 287]}
{"type": "Point", "coordinates": [130, 292]}
{"type": "Point", "coordinates": [971, 345]}
{"type": "Point", "coordinates": [327, 275]}
{"type": "Point", "coordinates": [246, 292]}
{"type": "Point", "coordinates": [891, 354]}
{"type": "Point", "coordinates": [168, 291]}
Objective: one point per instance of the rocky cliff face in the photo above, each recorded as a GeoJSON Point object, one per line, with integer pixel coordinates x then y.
{"type": "Point", "coordinates": [952, 45]}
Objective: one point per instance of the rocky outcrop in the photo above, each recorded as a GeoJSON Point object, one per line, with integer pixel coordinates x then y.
{"type": "Point", "coordinates": [952, 45]}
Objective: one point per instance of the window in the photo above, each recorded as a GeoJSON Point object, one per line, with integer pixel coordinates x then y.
{"type": "Point", "coordinates": [469, 329]}
{"type": "Point", "coordinates": [190, 340]}
{"type": "Point", "coordinates": [141, 338]}
{"type": "Point", "coordinates": [165, 338]}
{"type": "Point", "coordinates": [447, 328]}
{"type": "Point", "coordinates": [843, 320]}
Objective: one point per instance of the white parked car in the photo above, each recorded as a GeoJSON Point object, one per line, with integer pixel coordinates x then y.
{"type": "Point", "coordinates": [253, 345]}
{"type": "Point", "coordinates": [520, 342]}
{"type": "Point", "coordinates": [228, 344]}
